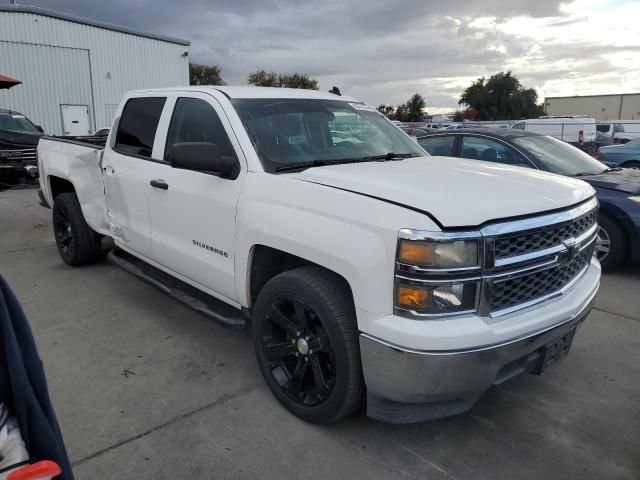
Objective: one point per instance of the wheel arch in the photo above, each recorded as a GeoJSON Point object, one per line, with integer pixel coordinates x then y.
{"type": "Point", "coordinates": [630, 163]}
{"type": "Point", "coordinates": [618, 216]}
{"type": "Point", "coordinates": [266, 262]}
{"type": "Point", "coordinates": [58, 185]}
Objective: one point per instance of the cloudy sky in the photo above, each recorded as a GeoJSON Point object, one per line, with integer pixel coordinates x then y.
{"type": "Point", "coordinates": [382, 51]}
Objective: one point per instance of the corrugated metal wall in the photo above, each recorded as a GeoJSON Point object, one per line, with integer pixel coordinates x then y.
{"type": "Point", "coordinates": [54, 57]}
{"type": "Point", "coordinates": [600, 107]}
{"type": "Point", "coordinates": [56, 76]}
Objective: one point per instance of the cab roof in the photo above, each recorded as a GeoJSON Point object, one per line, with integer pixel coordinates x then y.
{"type": "Point", "coordinates": [244, 91]}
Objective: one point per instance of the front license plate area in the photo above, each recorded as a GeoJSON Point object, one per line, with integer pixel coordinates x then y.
{"type": "Point", "coordinates": [555, 351]}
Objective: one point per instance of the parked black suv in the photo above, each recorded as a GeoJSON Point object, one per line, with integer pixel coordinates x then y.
{"type": "Point", "coordinates": [18, 140]}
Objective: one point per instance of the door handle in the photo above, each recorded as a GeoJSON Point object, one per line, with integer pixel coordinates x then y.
{"type": "Point", "coordinates": [159, 184]}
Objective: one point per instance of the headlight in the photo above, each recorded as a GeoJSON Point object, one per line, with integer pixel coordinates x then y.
{"type": "Point", "coordinates": [439, 254]}
{"type": "Point", "coordinates": [635, 200]}
{"type": "Point", "coordinates": [437, 274]}
{"type": "Point", "coordinates": [437, 299]}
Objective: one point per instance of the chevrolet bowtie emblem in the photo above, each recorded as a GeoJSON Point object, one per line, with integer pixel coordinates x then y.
{"type": "Point", "coordinates": [573, 248]}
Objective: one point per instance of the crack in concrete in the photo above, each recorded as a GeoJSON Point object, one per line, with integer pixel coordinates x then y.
{"type": "Point", "coordinates": [617, 314]}
{"type": "Point", "coordinates": [18, 250]}
{"type": "Point", "coordinates": [222, 400]}
{"type": "Point", "coordinates": [377, 461]}
{"type": "Point", "coordinates": [422, 458]}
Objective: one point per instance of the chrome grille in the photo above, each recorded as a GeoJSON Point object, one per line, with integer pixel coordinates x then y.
{"type": "Point", "coordinates": [22, 155]}
{"type": "Point", "coordinates": [534, 240]}
{"type": "Point", "coordinates": [529, 260]}
{"type": "Point", "coordinates": [538, 284]}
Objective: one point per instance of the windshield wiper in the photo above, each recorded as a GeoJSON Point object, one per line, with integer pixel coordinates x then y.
{"type": "Point", "coordinates": [296, 166]}
{"type": "Point", "coordinates": [606, 170]}
{"type": "Point", "coordinates": [388, 156]}
{"type": "Point", "coordinates": [322, 163]}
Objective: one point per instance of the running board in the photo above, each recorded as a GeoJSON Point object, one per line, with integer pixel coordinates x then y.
{"type": "Point", "coordinates": [181, 291]}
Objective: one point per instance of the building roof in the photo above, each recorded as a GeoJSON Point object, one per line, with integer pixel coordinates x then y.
{"type": "Point", "coordinates": [593, 96]}
{"type": "Point", "coordinates": [243, 91]}
{"type": "Point", "coordinates": [86, 21]}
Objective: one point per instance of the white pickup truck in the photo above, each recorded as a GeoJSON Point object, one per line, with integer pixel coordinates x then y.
{"type": "Point", "coordinates": [366, 268]}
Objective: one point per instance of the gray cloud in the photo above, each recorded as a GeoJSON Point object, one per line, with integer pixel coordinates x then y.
{"type": "Point", "coordinates": [381, 50]}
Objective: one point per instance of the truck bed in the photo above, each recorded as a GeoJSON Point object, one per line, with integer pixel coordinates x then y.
{"type": "Point", "coordinates": [76, 160]}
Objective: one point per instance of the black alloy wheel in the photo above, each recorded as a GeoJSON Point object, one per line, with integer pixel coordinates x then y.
{"type": "Point", "coordinates": [297, 348]}
{"type": "Point", "coordinates": [305, 336]}
{"type": "Point", "coordinates": [77, 243]}
{"type": "Point", "coordinates": [62, 230]}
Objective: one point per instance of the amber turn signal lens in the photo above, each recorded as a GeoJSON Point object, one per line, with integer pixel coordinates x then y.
{"type": "Point", "coordinates": [413, 297]}
{"type": "Point", "coordinates": [416, 253]}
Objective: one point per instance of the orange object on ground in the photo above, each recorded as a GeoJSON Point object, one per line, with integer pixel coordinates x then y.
{"type": "Point", "coordinates": [44, 470]}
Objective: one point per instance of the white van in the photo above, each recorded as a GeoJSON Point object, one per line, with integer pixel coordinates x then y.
{"type": "Point", "coordinates": [620, 132]}
{"type": "Point", "coordinates": [578, 130]}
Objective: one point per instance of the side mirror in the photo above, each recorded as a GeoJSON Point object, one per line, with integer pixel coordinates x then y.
{"type": "Point", "coordinates": [201, 157]}
{"type": "Point", "coordinates": [39, 128]}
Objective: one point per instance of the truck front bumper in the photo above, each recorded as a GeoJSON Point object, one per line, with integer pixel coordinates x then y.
{"type": "Point", "coordinates": [406, 386]}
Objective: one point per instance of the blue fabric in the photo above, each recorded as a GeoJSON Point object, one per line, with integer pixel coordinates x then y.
{"type": "Point", "coordinates": [23, 387]}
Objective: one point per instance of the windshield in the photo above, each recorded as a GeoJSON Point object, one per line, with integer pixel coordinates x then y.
{"type": "Point", "coordinates": [17, 123]}
{"type": "Point", "coordinates": [560, 157]}
{"type": "Point", "coordinates": [289, 132]}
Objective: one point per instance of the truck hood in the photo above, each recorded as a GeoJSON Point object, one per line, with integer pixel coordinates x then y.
{"type": "Point", "coordinates": [457, 192]}
{"type": "Point", "coordinates": [626, 180]}
{"type": "Point", "coordinates": [11, 138]}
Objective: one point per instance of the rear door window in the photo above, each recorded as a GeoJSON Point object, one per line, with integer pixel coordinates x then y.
{"type": "Point", "coordinates": [477, 148]}
{"type": "Point", "coordinates": [442, 145]}
{"type": "Point", "coordinates": [138, 125]}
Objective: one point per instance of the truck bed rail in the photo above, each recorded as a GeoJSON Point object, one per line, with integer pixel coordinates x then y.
{"type": "Point", "coordinates": [87, 141]}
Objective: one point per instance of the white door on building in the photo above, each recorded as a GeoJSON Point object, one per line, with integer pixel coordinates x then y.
{"type": "Point", "coordinates": [75, 120]}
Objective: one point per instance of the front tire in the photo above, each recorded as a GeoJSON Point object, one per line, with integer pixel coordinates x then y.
{"type": "Point", "coordinates": [611, 243]}
{"type": "Point", "coordinates": [306, 343]}
{"type": "Point", "coordinates": [77, 243]}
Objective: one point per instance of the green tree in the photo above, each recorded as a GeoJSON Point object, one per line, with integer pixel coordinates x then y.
{"type": "Point", "coordinates": [387, 110]}
{"type": "Point", "coordinates": [414, 107]}
{"type": "Point", "coordinates": [501, 97]}
{"type": "Point", "coordinates": [410, 111]}
{"type": "Point", "coordinates": [262, 78]}
{"type": "Point", "coordinates": [400, 113]}
{"type": "Point", "coordinates": [205, 74]}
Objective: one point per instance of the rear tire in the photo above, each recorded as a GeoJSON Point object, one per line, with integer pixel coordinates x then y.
{"type": "Point", "coordinates": [77, 243]}
{"type": "Point", "coordinates": [632, 164]}
{"type": "Point", "coordinates": [611, 237]}
{"type": "Point", "coordinates": [306, 343]}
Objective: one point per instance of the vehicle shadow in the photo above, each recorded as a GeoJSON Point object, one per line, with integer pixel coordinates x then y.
{"type": "Point", "coordinates": [628, 270]}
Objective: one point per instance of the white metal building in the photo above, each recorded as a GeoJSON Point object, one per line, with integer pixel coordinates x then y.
{"type": "Point", "coordinates": [75, 71]}
{"type": "Point", "coordinates": [601, 107]}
